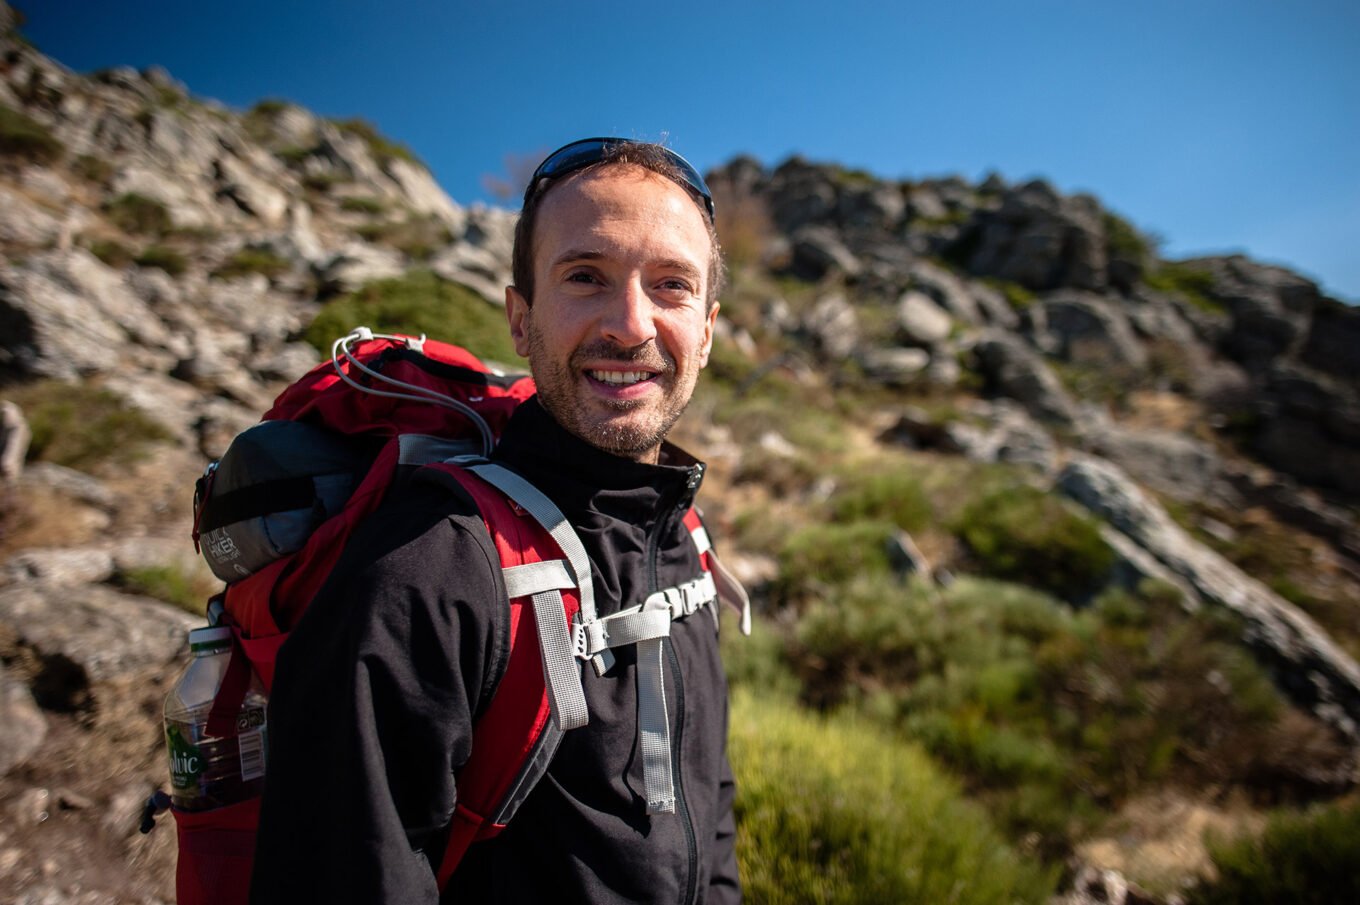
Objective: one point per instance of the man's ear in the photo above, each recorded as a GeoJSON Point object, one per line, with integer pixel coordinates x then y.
{"type": "Point", "coordinates": [709, 325]}
{"type": "Point", "coordinates": [517, 313]}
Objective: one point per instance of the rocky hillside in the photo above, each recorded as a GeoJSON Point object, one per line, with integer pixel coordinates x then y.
{"type": "Point", "coordinates": [166, 263]}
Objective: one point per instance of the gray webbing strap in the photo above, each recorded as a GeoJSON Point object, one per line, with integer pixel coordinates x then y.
{"type": "Point", "coordinates": [532, 578]}
{"type": "Point", "coordinates": [654, 728]}
{"type": "Point", "coordinates": [566, 697]}
{"type": "Point", "coordinates": [531, 500]}
{"type": "Point", "coordinates": [626, 628]}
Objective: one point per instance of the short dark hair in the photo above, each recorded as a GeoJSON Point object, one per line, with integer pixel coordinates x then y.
{"type": "Point", "coordinates": [650, 157]}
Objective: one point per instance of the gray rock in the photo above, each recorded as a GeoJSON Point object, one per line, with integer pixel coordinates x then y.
{"type": "Point", "coordinates": [68, 482]}
{"type": "Point", "coordinates": [801, 193]}
{"type": "Point", "coordinates": [58, 566]}
{"type": "Point", "coordinates": [1089, 329]}
{"type": "Point", "coordinates": [1170, 463]}
{"type": "Point", "coordinates": [1041, 240]}
{"type": "Point", "coordinates": [818, 251]}
{"type": "Point", "coordinates": [947, 290]}
{"type": "Point", "coordinates": [24, 222]}
{"type": "Point", "coordinates": [288, 362]}
{"type": "Point", "coordinates": [1311, 667]}
{"type": "Point", "coordinates": [71, 316]}
{"type": "Point", "coordinates": [894, 367]}
{"type": "Point", "coordinates": [875, 206]}
{"type": "Point", "coordinates": [906, 558]}
{"type": "Point", "coordinates": [423, 195]}
{"type": "Point", "coordinates": [920, 320]}
{"type": "Point", "coordinates": [251, 193]}
{"type": "Point", "coordinates": [358, 264]}
{"type": "Point", "coordinates": [92, 632]}
{"type": "Point", "coordinates": [833, 325]}
{"type": "Point", "coordinates": [923, 203]}
{"type": "Point", "coordinates": [993, 305]}
{"type": "Point", "coordinates": [22, 725]}
{"type": "Point", "coordinates": [1011, 369]}
{"type": "Point", "coordinates": [1002, 432]}
{"type": "Point", "coordinates": [476, 268]}
{"type": "Point", "coordinates": [14, 438]}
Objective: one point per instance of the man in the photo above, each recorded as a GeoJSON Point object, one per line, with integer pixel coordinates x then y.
{"type": "Point", "coordinates": [616, 269]}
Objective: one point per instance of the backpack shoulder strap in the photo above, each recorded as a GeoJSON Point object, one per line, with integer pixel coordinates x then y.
{"type": "Point", "coordinates": [519, 730]}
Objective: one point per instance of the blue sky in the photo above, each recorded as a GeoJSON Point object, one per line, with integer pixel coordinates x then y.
{"type": "Point", "coordinates": [1215, 125]}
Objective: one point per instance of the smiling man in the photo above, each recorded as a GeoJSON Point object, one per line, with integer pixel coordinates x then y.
{"type": "Point", "coordinates": [378, 689]}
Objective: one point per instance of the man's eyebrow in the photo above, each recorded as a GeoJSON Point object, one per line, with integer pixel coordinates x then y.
{"type": "Point", "coordinates": [577, 254]}
{"type": "Point", "coordinates": [574, 255]}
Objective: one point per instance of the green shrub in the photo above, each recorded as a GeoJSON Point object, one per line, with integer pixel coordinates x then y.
{"type": "Point", "coordinates": [95, 169]}
{"type": "Point", "coordinates": [1123, 240]}
{"type": "Point", "coordinates": [820, 556]}
{"type": "Point", "coordinates": [79, 426]}
{"type": "Point", "coordinates": [833, 811]}
{"type": "Point", "coordinates": [270, 106]}
{"type": "Point", "coordinates": [1193, 284]}
{"type": "Point", "coordinates": [363, 205]}
{"type": "Point", "coordinates": [114, 254]}
{"type": "Point", "coordinates": [1300, 858]}
{"type": "Point", "coordinates": [382, 147]}
{"type": "Point", "coordinates": [27, 139]}
{"type": "Point", "coordinates": [172, 585]}
{"type": "Point", "coordinates": [417, 237]}
{"type": "Point", "coordinates": [1022, 534]}
{"type": "Point", "coordinates": [167, 259]}
{"type": "Point", "coordinates": [883, 495]}
{"type": "Point", "coordinates": [419, 302]}
{"type": "Point", "coordinates": [134, 213]}
{"type": "Point", "coordinates": [1017, 296]}
{"type": "Point", "coordinates": [252, 260]}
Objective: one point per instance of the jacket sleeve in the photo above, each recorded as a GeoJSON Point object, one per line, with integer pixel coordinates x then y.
{"type": "Point", "coordinates": [371, 711]}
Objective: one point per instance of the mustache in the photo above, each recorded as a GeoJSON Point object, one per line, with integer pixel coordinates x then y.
{"type": "Point", "coordinates": [646, 355]}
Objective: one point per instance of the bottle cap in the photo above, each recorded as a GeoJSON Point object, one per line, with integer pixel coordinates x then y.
{"type": "Point", "coordinates": [202, 640]}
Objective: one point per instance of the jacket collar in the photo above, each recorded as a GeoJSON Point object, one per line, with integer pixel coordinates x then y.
{"type": "Point", "coordinates": [582, 477]}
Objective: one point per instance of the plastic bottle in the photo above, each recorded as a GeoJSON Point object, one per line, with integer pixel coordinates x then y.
{"type": "Point", "coordinates": [205, 771]}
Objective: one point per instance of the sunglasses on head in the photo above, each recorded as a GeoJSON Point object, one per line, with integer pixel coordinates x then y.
{"type": "Point", "coordinates": [581, 154]}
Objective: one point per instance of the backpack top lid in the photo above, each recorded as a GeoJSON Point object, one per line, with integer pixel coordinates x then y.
{"type": "Point", "coordinates": [390, 384]}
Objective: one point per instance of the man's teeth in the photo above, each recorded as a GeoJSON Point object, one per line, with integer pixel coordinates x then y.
{"type": "Point", "coordinates": [620, 378]}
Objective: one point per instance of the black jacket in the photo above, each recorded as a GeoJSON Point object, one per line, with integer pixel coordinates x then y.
{"type": "Point", "coordinates": [377, 688]}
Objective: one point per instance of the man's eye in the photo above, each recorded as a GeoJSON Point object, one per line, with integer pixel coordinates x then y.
{"type": "Point", "coordinates": [677, 285]}
{"type": "Point", "coordinates": [581, 276]}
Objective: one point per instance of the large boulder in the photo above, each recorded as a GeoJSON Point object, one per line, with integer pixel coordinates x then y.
{"type": "Point", "coordinates": [1010, 368]}
{"type": "Point", "coordinates": [22, 725]}
{"type": "Point", "coordinates": [1309, 664]}
{"type": "Point", "coordinates": [818, 251]}
{"type": "Point", "coordinates": [1039, 239]}
{"type": "Point", "coordinates": [67, 315]}
{"type": "Point", "coordinates": [91, 633]}
{"type": "Point", "coordinates": [1088, 329]}
{"type": "Point", "coordinates": [920, 321]}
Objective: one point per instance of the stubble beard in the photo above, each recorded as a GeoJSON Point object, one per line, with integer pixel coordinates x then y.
{"type": "Point", "coordinates": [587, 417]}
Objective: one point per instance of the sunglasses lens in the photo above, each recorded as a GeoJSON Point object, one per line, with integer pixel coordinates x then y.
{"type": "Point", "coordinates": [581, 154]}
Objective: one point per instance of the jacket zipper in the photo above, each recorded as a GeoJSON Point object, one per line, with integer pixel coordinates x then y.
{"type": "Point", "coordinates": [681, 808]}
{"type": "Point", "coordinates": [696, 474]}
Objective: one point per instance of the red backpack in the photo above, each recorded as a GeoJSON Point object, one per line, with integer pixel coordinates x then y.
{"type": "Point", "coordinates": [428, 404]}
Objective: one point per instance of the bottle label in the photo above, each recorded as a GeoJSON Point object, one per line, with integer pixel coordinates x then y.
{"type": "Point", "coordinates": [186, 761]}
{"type": "Point", "coordinates": [251, 727]}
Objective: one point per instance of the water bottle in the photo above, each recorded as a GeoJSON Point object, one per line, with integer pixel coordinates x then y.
{"type": "Point", "coordinates": [206, 771]}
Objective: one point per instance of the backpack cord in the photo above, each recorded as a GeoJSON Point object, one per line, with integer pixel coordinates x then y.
{"type": "Point", "coordinates": [415, 393]}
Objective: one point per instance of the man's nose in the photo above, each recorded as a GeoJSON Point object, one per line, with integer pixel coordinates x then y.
{"type": "Point", "coordinates": [628, 320]}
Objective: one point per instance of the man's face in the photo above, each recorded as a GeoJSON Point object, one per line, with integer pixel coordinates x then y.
{"type": "Point", "coordinates": [619, 328]}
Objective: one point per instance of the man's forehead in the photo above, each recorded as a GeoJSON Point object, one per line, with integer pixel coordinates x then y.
{"type": "Point", "coordinates": [622, 190]}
